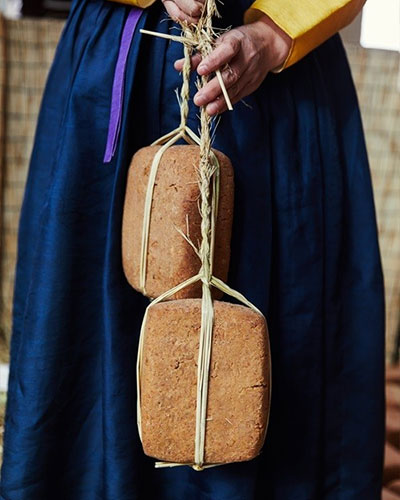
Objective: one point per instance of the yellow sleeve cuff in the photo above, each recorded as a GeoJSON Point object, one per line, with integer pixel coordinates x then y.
{"type": "Point", "coordinates": [308, 22]}
{"type": "Point", "coordinates": [137, 3]}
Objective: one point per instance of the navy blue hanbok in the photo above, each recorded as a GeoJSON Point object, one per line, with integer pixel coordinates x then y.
{"type": "Point", "coordinates": [304, 251]}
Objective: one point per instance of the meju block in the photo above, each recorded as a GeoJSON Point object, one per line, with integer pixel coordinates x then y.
{"type": "Point", "coordinates": [239, 382]}
{"type": "Point", "coordinates": [170, 258]}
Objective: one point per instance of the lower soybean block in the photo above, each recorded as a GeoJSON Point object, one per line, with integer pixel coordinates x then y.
{"type": "Point", "coordinates": [175, 207]}
{"type": "Point", "coordinates": [239, 382]}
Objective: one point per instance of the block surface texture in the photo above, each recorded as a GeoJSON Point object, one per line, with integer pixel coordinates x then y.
{"type": "Point", "coordinates": [170, 258]}
{"type": "Point", "coordinates": [239, 382]}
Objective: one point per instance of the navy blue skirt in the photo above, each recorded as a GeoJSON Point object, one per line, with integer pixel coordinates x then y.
{"type": "Point", "coordinates": [304, 251]}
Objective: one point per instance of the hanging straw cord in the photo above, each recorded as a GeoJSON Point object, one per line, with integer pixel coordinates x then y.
{"type": "Point", "coordinates": [199, 37]}
{"type": "Point", "coordinates": [182, 132]}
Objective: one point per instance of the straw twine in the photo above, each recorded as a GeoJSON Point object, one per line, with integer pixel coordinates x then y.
{"type": "Point", "coordinates": [201, 38]}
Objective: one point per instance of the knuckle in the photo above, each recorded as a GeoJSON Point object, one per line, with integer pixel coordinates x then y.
{"type": "Point", "coordinates": [198, 7]}
{"type": "Point", "coordinates": [233, 43]}
{"type": "Point", "coordinates": [253, 53]}
{"type": "Point", "coordinates": [235, 74]}
{"type": "Point", "coordinates": [238, 36]}
{"type": "Point", "coordinates": [231, 76]}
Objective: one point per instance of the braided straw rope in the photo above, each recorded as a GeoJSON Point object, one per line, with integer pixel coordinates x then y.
{"type": "Point", "coordinates": [201, 38]}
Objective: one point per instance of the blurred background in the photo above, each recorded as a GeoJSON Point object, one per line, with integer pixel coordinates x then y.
{"type": "Point", "coordinates": [29, 32]}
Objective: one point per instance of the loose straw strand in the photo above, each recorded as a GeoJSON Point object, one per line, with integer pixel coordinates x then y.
{"type": "Point", "coordinates": [171, 139]}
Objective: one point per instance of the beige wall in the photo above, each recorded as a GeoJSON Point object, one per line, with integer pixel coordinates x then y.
{"type": "Point", "coordinates": [376, 73]}
{"type": "Point", "coordinates": [26, 51]}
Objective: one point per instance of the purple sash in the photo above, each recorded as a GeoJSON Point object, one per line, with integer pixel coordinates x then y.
{"type": "Point", "coordinates": [117, 99]}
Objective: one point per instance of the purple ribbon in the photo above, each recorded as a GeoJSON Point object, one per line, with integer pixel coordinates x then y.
{"type": "Point", "coordinates": [117, 99]}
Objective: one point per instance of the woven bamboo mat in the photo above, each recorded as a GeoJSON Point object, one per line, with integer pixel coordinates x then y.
{"type": "Point", "coordinates": [26, 51]}
{"type": "Point", "coordinates": [376, 74]}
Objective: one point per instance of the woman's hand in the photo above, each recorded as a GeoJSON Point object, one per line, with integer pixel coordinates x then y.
{"type": "Point", "coordinates": [184, 10]}
{"type": "Point", "coordinates": [244, 55]}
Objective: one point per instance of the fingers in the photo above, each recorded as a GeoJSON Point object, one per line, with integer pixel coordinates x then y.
{"type": "Point", "coordinates": [191, 8]}
{"type": "Point", "coordinates": [195, 60]}
{"type": "Point", "coordinates": [236, 94]}
{"type": "Point", "coordinates": [211, 94]}
{"type": "Point", "coordinates": [228, 46]}
{"type": "Point", "coordinates": [219, 104]}
{"type": "Point", "coordinates": [230, 76]}
{"type": "Point", "coordinates": [243, 62]}
{"type": "Point", "coordinates": [177, 14]}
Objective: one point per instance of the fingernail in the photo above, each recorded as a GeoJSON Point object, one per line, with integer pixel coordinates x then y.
{"type": "Point", "coordinates": [199, 99]}
{"type": "Point", "coordinates": [203, 68]}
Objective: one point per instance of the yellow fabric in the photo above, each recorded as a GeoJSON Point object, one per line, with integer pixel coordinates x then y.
{"type": "Point", "coordinates": [137, 3]}
{"type": "Point", "coordinates": [307, 22]}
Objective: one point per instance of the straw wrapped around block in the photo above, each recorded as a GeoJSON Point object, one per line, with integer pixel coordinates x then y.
{"type": "Point", "coordinates": [239, 382]}
{"type": "Point", "coordinates": [170, 259]}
